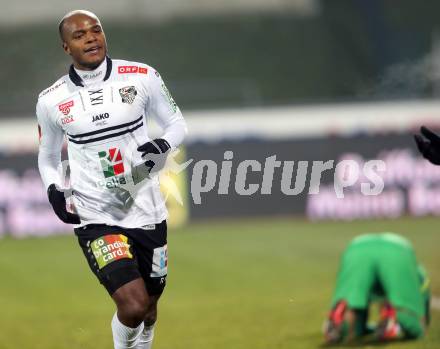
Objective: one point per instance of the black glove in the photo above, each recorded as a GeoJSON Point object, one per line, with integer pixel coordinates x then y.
{"type": "Point", "coordinates": [58, 202]}
{"type": "Point", "coordinates": [429, 147]}
{"type": "Point", "coordinates": [156, 152]}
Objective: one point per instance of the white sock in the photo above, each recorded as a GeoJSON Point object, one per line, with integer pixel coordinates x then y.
{"type": "Point", "coordinates": [125, 337]}
{"type": "Point", "coordinates": [146, 338]}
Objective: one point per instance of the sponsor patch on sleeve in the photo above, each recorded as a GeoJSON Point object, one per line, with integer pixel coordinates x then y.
{"type": "Point", "coordinates": [169, 98]}
{"type": "Point", "coordinates": [110, 248]}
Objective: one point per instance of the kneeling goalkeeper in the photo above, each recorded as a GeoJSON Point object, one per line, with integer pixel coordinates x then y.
{"type": "Point", "coordinates": [379, 268]}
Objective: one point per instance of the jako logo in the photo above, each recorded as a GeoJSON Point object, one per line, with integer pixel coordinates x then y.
{"type": "Point", "coordinates": [100, 117]}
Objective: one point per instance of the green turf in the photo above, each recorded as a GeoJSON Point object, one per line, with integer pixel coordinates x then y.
{"type": "Point", "coordinates": [254, 284]}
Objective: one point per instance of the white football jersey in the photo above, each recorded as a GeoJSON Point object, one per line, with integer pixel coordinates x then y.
{"type": "Point", "coordinates": [103, 114]}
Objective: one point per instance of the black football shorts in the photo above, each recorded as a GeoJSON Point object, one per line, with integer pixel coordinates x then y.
{"type": "Point", "coordinates": [119, 255]}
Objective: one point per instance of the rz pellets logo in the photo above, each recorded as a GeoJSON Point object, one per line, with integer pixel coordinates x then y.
{"type": "Point", "coordinates": [111, 162]}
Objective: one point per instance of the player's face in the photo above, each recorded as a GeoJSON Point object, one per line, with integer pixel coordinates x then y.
{"type": "Point", "coordinates": [84, 40]}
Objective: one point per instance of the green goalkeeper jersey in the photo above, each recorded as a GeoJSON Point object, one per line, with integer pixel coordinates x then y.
{"type": "Point", "coordinates": [385, 266]}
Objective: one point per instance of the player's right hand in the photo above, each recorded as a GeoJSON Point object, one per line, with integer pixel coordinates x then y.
{"type": "Point", "coordinates": [429, 145]}
{"type": "Point", "coordinates": [58, 202]}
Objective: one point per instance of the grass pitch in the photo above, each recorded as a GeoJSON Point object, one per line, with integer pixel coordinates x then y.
{"type": "Point", "coordinates": [247, 284]}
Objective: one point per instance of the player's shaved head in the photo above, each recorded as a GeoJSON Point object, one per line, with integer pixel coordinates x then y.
{"type": "Point", "coordinates": [83, 39]}
{"type": "Point", "coordinates": [71, 15]}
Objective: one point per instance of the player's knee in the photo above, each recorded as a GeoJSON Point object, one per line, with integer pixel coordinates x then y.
{"type": "Point", "coordinates": [132, 301]}
{"type": "Point", "coordinates": [134, 306]}
{"type": "Point", "coordinates": [135, 310]}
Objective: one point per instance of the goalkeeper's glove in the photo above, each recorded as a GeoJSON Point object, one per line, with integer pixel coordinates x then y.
{"type": "Point", "coordinates": [58, 202]}
{"type": "Point", "coordinates": [429, 145]}
{"type": "Point", "coordinates": [155, 153]}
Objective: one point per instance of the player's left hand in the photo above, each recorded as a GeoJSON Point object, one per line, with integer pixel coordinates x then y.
{"type": "Point", "coordinates": [58, 201]}
{"type": "Point", "coordinates": [155, 153]}
{"type": "Point", "coordinates": [429, 145]}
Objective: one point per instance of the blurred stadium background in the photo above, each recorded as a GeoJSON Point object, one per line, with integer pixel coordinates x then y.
{"type": "Point", "coordinates": [299, 79]}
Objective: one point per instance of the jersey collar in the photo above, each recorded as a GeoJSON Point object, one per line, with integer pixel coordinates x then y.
{"type": "Point", "coordinates": [76, 79]}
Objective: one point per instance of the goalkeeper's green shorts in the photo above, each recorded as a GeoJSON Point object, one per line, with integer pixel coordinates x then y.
{"type": "Point", "coordinates": [376, 265]}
